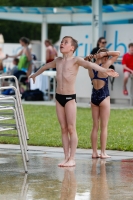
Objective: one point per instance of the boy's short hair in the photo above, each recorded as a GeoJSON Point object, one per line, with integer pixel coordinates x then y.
{"type": "Point", "coordinates": [102, 50]}
{"type": "Point", "coordinates": [130, 45]}
{"type": "Point", "coordinates": [74, 42]}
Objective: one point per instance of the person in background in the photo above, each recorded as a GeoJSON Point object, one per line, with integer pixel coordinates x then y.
{"type": "Point", "coordinates": [14, 69]}
{"type": "Point", "coordinates": [5, 82]}
{"type": "Point", "coordinates": [101, 43]}
{"type": "Point", "coordinates": [11, 71]}
{"type": "Point", "coordinates": [51, 52]}
{"type": "Point", "coordinates": [15, 66]}
{"type": "Point", "coordinates": [25, 61]}
{"type": "Point", "coordinates": [127, 62]}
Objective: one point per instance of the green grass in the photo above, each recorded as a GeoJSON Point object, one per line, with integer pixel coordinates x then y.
{"type": "Point", "coordinates": [44, 130]}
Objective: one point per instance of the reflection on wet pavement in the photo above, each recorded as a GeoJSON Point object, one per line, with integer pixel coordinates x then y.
{"type": "Point", "coordinates": [69, 184]}
{"type": "Point", "coordinates": [90, 180]}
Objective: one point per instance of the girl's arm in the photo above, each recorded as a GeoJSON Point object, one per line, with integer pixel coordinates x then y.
{"type": "Point", "coordinates": [114, 55]}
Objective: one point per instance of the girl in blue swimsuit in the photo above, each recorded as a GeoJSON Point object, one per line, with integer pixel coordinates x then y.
{"type": "Point", "coordinates": [100, 99]}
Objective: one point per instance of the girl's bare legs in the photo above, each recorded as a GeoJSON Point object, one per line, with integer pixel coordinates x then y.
{"type": "Point", "coordinates": [70, 111]}
{"type": "Point", "coordinates": [65, 137]}
{"type": "Point", "coordinates": [94, 133]}
{"type": "Point", "coordinates": [104, 117]}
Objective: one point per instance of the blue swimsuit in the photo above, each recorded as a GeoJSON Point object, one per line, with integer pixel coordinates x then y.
{"type": "Point", "coordinates": [99, 95]}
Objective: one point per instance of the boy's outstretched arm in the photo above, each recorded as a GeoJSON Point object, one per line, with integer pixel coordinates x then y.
{"type": "Point", "coordinates": [42, 69]}
{"type": "Point", "coordinates": [90, 65]}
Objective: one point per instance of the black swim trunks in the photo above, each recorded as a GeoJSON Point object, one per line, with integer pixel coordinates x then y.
{"type": "Point", "coordinates": [63, 99]}
{"type": "Point", "coordinates": [99, 95]}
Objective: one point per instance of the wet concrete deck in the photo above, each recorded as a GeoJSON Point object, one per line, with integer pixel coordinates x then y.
{"type": "Point", "coordinates": [110, 179]}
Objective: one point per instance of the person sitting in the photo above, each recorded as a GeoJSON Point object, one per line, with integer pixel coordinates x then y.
{"type": "Point", "coordinates": [127, 62]}
{"type": "Point", "coordinates": [15, 66]}
{"type": "Point", "coordinates": [6, 82]}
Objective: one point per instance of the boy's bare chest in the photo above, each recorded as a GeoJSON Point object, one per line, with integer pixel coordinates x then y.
{"type": "Point", "coordinates": [66, 67]}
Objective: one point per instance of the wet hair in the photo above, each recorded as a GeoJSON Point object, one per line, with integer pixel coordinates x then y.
{"type": "Point", "coordinates": [48, 41]}
{"type": "Point", "coordinates": [103, 50]}
{"type": "Point", "coordinates": [74, 42]}
{"type": "Point", "coordinates": [25, 40]}
{"type": "Point", "coordinates": [16, 60]}
{"type": "Point", "coordinates": [130, 45]}
{"type": "Point", "coordinates": [99, 40]}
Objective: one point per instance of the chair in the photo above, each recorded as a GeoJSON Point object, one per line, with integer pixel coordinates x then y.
{"type": "Point", "coordinates": [9, 127]}
{"type": "Point", "coordinates": [13, 103]}
{"type": "Point", "coordinates": [18, 98]}
{"type": "Point", "coordinates": [7, 102]}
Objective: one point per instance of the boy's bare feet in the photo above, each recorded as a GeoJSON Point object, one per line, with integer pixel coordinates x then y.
{"type": "Point", "coordinates": [63, 162]}
{"type": "Point", "coordinates": [95, 155]}
{"type": "Point", "coordinates": [69, 163]}
{"type": "Point", "coordinates": [103, 156]}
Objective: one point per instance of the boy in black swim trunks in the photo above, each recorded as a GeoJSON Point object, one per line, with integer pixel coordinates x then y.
{"type": "Point", "coordinates": [67, 69]}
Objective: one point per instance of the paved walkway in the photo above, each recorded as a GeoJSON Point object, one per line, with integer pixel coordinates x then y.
{"type": "Point", "coordinates": [117, 155]}
{"type": "Point", "coordinates": [95, 179]}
